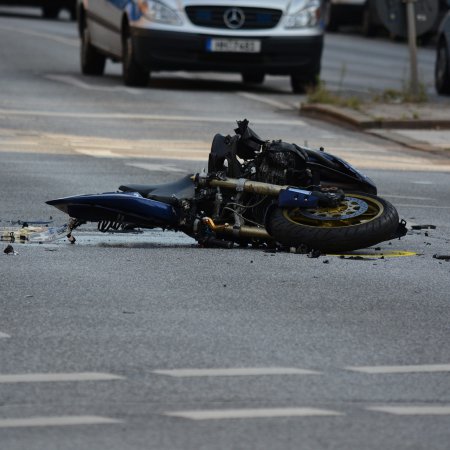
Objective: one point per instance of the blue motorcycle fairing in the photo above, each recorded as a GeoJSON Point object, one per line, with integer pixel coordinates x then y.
{"type": "Point", "coordinates": [297, 198]}
{"type": "Point", "coordinates": [127, 207]}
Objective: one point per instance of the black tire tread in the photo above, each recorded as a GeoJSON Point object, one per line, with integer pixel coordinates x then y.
{"type": "Point", "coordinates": [92, 61]}
{"type": "Point", "coordinates": [443, 86]}
{"type": "Point", "coordinates": [349, 238]}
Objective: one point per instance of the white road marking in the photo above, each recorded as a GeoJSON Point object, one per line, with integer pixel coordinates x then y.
{"type": "Point", "coordinates": [156, 167]}
{"type": "Point", "coordinates": [266, 100]}
{"type": "Point", "coordinates": [60, 39]}
{"type": "Point", "coordinates": [155, 117]}
{"type": "Point", "coordinates": [423, 206]}
{"type": "Point", "coordinates": [413, 410]}
{"type": "Point", "coordinates": [216, 414]}
{"type": "Point", "coordinates": [422, 182]}
{"type": "Point", "coordinates": [56, 377]}
{"type": "Point", "coordinates": [405, 196]}
{"type": "Point", "coordinates": [97, 153]}
{"type": "Point", "coordinates": [234, 372]}
{"type": "Point", "coordinates": [59, 421]}
{"type": "Point", "coordinates": [401, 369]}
{"type": "Point", "coordinates": [4, 335]}
{"type": "Point", "coordinates": [73, 81]}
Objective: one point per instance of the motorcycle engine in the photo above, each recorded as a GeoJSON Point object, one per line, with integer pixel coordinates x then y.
{"type": "Point", "coordinates": [283, 164]}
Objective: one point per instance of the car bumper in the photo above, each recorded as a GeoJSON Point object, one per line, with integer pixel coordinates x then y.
{"type": "Point", "coordinates": [162, 50]}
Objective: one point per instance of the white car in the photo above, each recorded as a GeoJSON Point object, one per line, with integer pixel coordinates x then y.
{"type": "Point", "coordinates": [251, 37]}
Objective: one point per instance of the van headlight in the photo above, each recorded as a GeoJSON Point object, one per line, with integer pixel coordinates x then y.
{"type": "Point", "coordinates": [303, 14]}
{"type": "Point", "coordinates": [158, 11]}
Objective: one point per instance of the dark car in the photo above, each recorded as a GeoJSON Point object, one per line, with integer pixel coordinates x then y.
{"type": "Point", "coordinates": [50, 8]}
{"type": "Point", "coordinates": [442, 67]}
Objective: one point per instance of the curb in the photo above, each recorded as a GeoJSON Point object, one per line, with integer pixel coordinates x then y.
{"type": "Point", "coordinates": [379, 128]}
{"type": "Point", "coordinates": [361, 120]}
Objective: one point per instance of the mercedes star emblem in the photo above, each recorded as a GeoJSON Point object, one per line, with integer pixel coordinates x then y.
{"type": "Point", "coordinates": [234, 18]}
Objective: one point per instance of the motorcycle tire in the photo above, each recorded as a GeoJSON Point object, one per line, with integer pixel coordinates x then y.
{"type": "Point", "coordinates": [361, 221]}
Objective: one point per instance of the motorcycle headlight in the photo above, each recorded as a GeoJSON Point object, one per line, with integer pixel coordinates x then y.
{"type": "Point", "coordinates": [303, 14]}
{"type": "Point", "coordinates": [158, 11]}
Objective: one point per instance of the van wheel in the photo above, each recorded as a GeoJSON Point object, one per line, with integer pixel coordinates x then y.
{"type": "Point", "coordinates": [133, 73]}
{"type": "Point", "coordinates": [50, 12]}
{"type": "Point", "coordinates": [301, 82]}
{"type": "Point", "coordinates": [330, 19]}
{"type": "Point", "coordinates": [442, 69]}
{"type": "Point", "coordinates": [92, 61]}
{"type": "Point", "coordinates": [253, 77]}
{"type": "Point", "coordinates": [368, 28]}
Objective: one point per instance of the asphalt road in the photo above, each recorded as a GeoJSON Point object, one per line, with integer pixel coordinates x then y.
{"type": "Point", "coordinates": [284, 351]}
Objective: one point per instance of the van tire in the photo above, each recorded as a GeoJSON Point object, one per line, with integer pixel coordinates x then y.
{"type": "Point", "coordinates": [133, 74]}
{"type": "Point", "coordinates": [92, 61]}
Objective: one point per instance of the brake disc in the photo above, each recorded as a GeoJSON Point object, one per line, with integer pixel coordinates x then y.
{"type": "Point", "coordinates": [349, 208]}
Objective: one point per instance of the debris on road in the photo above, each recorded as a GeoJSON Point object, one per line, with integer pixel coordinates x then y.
{"type": "Point", "coordinates": [423, 227]}
{"type": "Point", "coordinates": [314, 254]}
{"type": "Point", "coordinates": [9, 249]}
{"type": "Point", "coordinates": [27, 234]}
{"type": "Point", "coordinates": [443, 257]}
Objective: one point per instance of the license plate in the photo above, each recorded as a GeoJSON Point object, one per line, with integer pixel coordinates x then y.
{"type": "Point", "coordinates": [234, 45]}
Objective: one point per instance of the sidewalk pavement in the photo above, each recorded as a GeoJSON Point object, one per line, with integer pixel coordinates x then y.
{"type": "Point", "coordinates": [422, 126]}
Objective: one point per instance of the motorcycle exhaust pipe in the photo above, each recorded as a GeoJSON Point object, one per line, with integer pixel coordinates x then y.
{"type": "Point", "coordinates": [241, 232]}
{"type": "Point", "coordinates": [250, 186]}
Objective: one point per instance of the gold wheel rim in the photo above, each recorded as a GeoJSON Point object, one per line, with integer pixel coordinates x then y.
{"type": "Point", "coordinates": [374, 210]}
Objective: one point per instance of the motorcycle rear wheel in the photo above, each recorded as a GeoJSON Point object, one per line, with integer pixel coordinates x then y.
{"type": "Point", "coordinates": [361, 221]}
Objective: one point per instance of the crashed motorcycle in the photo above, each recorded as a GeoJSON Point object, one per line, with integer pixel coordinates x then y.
{"type": "Point", "coordinates": [255, 192]}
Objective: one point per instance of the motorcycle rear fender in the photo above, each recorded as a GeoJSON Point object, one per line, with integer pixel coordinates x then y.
{"type": "Point", "coordinates": [124, 207]}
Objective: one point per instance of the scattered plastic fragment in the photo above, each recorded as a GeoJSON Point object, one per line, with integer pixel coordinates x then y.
{"type": "Point", "coordinates": [355, 257]}
{"type": "Point", "coordinates": [373, 256]}
{"type": "Point", "coordinates": [314, 254]}
{"type": "Point", "coordinates": [9, 249]}
{"type": "Point", "coordinates": [423, 227]}
{"type": "Point", "coordinates": [32, 234]}
{"type": "Point", "coordinates": [443, 257]}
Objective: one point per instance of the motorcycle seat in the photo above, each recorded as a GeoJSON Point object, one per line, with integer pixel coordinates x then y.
{"type": "Point", "coordinates": [170, 193]}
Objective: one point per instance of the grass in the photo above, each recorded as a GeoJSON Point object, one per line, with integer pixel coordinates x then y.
{"type": "Point", "coordinates": [403, 96]}
{"type": "Point", "coordinates": [321, 94]}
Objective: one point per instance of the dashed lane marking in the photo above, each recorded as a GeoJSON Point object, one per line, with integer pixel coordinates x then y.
{"type": "Point", "coordinates": [216, 414]}
{"type": "Point", "coordinates": [428, 410]}
{"type": "Point", "coordinates": [59, 421]}
{"type": "Point", "coordinates": [57, 377]}
{"type": "Point", "coordinates": [401, 369]}
{"type": "Point", "coordinates": [233, 372]}
{"type": "Point", "coordinates": [4, 335]}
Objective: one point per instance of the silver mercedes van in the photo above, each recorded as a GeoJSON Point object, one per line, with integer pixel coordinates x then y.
{"type": "Point", "coordinates": [250, 37]}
